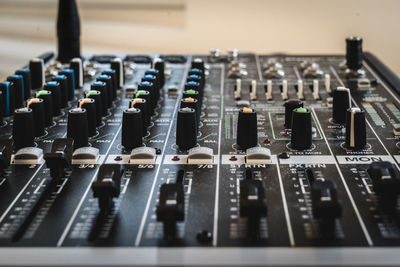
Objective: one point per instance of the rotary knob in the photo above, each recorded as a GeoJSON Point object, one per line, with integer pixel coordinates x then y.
{"type": "Point", "coordinates": [77, 127]}
{"type": "Point", "coordinates": [341, 103]}
{"type": "Point", "coordinates": [89, 105]}
{"type": "Point", "coordinates": [247, 134]}
{"type": "Point", "coordinates": [23, 128]}
{"type": "Point", "coordinates": [48, 106]}
{"type": "Point", "coordinates": [356, 133]}
{"type": "Point", "coordinates": [37, 106]}
{"type": "Point", "coordinates": [186, 128]}
{"type": "Point", "coordinates": [301, 136]}
{"type": "Point", "coordinates": [290, 105]}
{"type": "Point", "coordinates": [132, 130]}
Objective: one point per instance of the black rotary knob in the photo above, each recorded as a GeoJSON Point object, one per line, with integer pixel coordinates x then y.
{"type": "Point", "coordinates": [192, 85]}
{"type": "Point", "coordinates": [199, 73]}
{"type": "Point", "coordinates": [95, 95]}
{"type": "Point", "coordinates": [186, 128]}
{"type": "Point", "coordinates": [155, 73]}
{"type": "Point", "coordinates": [191, 102]}
{"type": "Point", "coordinates": [132, 130]}
{"type": "Point", "coordinates": [118, 66]}
{"type": "Point", "coordinates": [77, 127]}
{"type": "Point", "coordinates": [301, 136]}
{"type": "Point", "coordinates": [89, 105]}
{"type": "Point", "coordinates": [37, 107]}
{"type": "Point", "coordinates": [108, 88]}
{"type": "Point", "coordinates": [341, 103]}
{"type": "Point", "coordinates": [290, 105]}
{"type": "Point", "coordinates": [26, 74]}
{"type": "Point", "coordinates": [159, 65]}
{"type": "Point", "coordinates": [356, 134]}
{"type": "Point", "coordinates": [63, 84]}
{"type": "Point", "coordinates": [23, 128]}
{"type": "Point", "coordinates": [48, 106]}
{"type": "Point", "coordinates": [247, 134]}
{"type": "Point", "coordinates": [76, 65]}
{"type": "Point", "coordinates": [54, 88]}
{"type": "Point", "coordinates": [113, 76]}
{"type": "Point", "coordinates": [143, 105]}
{"type": "Point", "coordinates": [101, 87]}
{"type": "Point", "coordinates": [153, 79]}
{"type": "Point", "coordinates": [198, 63]}
{"type": "Point", "coordinates": [149, 87]}
{"type": "Point", "coordinates": [146, 95]}
{"type": "Point", "coordinates": [69, 73]}
{"type": "Point", "coordinates": [354, 53]}
{"type": "Point", "coordinates": [18, 88]}
{"type": "Point", "coordinates": [195, 78]}
{"type": "Point", "coordinates": [36, 67]}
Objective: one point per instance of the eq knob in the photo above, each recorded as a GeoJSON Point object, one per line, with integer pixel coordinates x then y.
{"type": "Point", "coordinates": [37, 106]}
{"type": "Point", "coordinates": [290, 105]}
{"type": "Point", "coordinates": [301, 135]}
{"type": "Point", "coordinates": [23, 128]}
{"type": "Point", "coordinates": [186, 128]}
{"type": "Point", "coordinates": [356, 134]}
{"type": "Point", "coordinates": [340, 104]}
{"type": "Point", "coordinates": [77, 127]}
{"type": "Point", "coordinates": [132, 130]}
{"type": "Point", "coordinates": [247, 134]}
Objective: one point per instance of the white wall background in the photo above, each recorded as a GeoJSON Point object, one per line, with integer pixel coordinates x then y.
{"type": "Point", "coordinates": [193, 26]}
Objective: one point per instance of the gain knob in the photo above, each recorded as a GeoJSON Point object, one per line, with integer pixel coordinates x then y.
{"type": "Point", "coordinates": [186, 128]}
{"type": "Point", "coordinates": [247, 134]}
{"type": "Point", "coordinates": [340, 104]}
{"type": "Point", "coordinates": [301, 136]}
{"type": "Point", "coordinates": [132, 130]}
{"type": "Point", "coordinates": [23, 128]}
{"type": "Point", "coordinates": [77, 127]}
{"type": "Point", "coordinates": [356, 134]}
{"type": "Point", "coordinates": [290, 105]}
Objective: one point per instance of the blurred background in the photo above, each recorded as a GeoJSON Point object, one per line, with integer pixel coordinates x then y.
{"type": "Point", "coordinates": [193, 26]}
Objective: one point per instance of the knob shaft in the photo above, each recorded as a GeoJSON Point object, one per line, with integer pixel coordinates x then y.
{"type": "Point", "coordinates": [341, 103]}
{"type": "Point", "coordinates": [290, 105]}
{"type": "Point", "coordinates": [247, 134]}
{"type": "Point", "coordinates": [77, 127]}
{"type": "Point", "coordinates": [356, 134]}
{"type": "Point", "coordinates": [132, 130]}
{"type": "Point", "coordinates": [23, 128]}
{"type": "Point", "coordinates": [186, 128]}
{"type": "Point", "coordinates": [301, 136]}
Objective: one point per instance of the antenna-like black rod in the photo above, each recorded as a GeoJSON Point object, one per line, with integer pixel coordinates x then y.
{"type": "Point", "coordinates": [68, 31]}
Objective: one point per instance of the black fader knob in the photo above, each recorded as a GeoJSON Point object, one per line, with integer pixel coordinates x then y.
{"type": "Point", "coordinates": [54, 88]}
{"type": "Point", "coordinates": [341, 103]}
{"type": "Point", "coordinates": [253, 204]}
{"type": "Point", "coordinates": [386, 184]}
{"type": "Point", "coordinates": [37, 106]}
{"type": "Point", "coordinates": [356, 134]}
{"type": "Point", "coordinates": [23, 128]}
{"type": "Point", "coordinates": [354, 53]}
{"type": "Point", "coordinates": [247, 134]}
{"type": "Point", "coordinates": [89, 105]}
{"type": "Point", "coordinates": [18, 88]}
{"type": "Point", "coordinates": [36, 67]}
{"type": "Point", "coordinates": [290, 105]}
{"type": "Point", "coordinates": [132, 130]}
{"type": "Point", "coordinates": [77, 127]}
{"type": "Point", "coordinates": [48, 106]}
{"type": "Point", "coordinates": [301, 135]}
{"type": "Point", "coordinates": [326, 206]}
{"type": "Point", "coordinates": [26, 74]}
{"type": "Point", "coordinates": [186, 128]}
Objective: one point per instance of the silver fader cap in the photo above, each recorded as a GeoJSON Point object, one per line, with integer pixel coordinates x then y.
{"type": "Point", "coordinates": [85, 155]}
{"type": "Point", "coordinates": [200, 155]}
{"type": "Point", "coordinates": [258, 155]}
{"type": "Point", "coordinates": [28, 155]}
{"type": "Point", "coordinates": [143, 155]}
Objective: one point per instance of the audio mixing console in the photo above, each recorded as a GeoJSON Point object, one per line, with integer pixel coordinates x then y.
{"type": "Point", "coordinates": [234, 159]}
